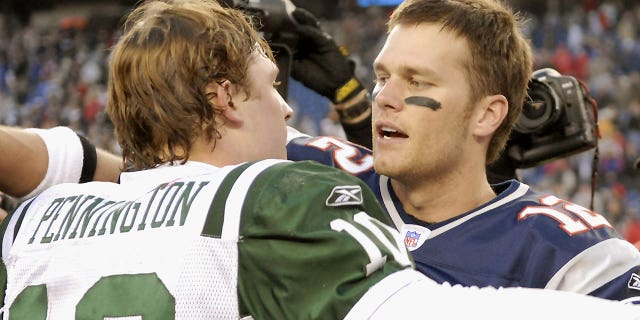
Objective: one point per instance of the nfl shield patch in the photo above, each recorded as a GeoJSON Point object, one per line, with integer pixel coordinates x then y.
{"type": "Point", "coordinates": [414, 235]}
{"type": "Point", "coordinates": [411, 239]}
{"type": "Point", "coordinates": [344, 195]}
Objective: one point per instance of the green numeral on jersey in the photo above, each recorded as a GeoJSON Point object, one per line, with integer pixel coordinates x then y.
{"type": "Point", "coordinates": [31, 303]}
{"type": "Point", "coordinates": [127, 295]}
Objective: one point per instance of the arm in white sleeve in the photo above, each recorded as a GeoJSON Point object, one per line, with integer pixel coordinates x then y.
{"type": "Point", "coordinates": [409, 293]}
{"type": "Point", "coordinates": [71, 158]}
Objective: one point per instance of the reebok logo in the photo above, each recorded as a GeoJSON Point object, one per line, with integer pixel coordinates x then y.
{"type": "Point", "coordinates": [634, 282]}
{"type": "Point", "coordinates": [344, 195]}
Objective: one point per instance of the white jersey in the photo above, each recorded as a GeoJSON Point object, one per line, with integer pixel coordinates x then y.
{"type": "Point", "coordinates": [171, 241]}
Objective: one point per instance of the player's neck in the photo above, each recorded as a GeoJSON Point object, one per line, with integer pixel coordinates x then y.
{"type": "Point", "coordinates": [232, 149]}
{"type": "Point", "coordinates": [219, 154]}
{"type": "Point", "coordinates": [437, 200]}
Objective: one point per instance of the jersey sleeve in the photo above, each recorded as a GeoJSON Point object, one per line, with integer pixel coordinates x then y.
{"type": "Point", "coordinates": [331, 151]}
{"type": "Point", "coordinates": [575, 249]}
{"type": "Point", "coordinates": [313, 240]}
{"type": "Point", "coordinates": [609, 269]}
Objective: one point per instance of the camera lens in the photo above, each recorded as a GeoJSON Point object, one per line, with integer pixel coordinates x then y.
{"type": "Point", "coordinates": [539, 110]}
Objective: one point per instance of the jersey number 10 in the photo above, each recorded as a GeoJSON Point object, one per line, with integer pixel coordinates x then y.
{"type": "Point", "coordinates": [378, 230]}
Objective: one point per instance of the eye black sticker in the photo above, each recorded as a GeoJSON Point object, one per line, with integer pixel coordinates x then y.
{"type": "Point", "coordinates": [423, 102]}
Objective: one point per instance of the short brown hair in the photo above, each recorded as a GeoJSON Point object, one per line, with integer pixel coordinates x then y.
{"type": "Point", "coordinates": [501, 60]}
{"type": "Point", "coordinates": [169, 51]}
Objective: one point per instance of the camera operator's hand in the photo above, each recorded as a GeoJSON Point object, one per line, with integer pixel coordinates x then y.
{"type": "Point", "coordinates": [320, 64]}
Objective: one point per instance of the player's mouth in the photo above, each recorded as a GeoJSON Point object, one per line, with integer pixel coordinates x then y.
{"type": "Point", "coordinates": [388, 132]}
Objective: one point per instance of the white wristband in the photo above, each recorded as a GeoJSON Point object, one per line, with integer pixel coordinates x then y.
{"type": "Point", "coordinates": [65, 157]}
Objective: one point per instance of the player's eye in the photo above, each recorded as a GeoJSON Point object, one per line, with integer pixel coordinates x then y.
{"type": "Point", "coordinates": [418, 84]}
{"type": "Point", "coordinates": [380, 80]}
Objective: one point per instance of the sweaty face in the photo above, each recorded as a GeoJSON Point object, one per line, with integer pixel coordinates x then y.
{"type": "Point", "coordinates": [266, 111]}
{"type": "Point", "coordinates": [420, 122]}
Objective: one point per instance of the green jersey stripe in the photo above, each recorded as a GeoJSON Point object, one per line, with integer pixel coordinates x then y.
{"type": "Point", "coordinates": [10, 226]}
{"type": "Point", "coordinates": [215, 218]}
{"type": "Point", "coordinates": [235, 201]}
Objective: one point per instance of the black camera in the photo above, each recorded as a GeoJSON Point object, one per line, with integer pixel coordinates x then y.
{"type": "Point", "coordinates": [277, 26]}
{"type": "Point", "coordinates": [557, 121]}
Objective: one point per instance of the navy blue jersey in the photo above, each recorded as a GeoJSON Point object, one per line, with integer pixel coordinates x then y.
{"type": "Point", "coordinates": [521, 238]}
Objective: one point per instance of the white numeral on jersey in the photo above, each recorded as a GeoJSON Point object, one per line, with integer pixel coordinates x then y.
{"type": "Point", "coordinates": [344, 154]}
{"type": "Point", "coordinates": [586, 219]}
{"type": "Point", "coordinates": [376, 259]}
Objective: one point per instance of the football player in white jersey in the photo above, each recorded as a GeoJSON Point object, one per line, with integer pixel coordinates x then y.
{"type": "Point", "coordinates": [214, 224]}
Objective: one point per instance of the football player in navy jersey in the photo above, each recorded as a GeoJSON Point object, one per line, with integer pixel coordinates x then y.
{"type": "Point", "coordinates": [450, 81]}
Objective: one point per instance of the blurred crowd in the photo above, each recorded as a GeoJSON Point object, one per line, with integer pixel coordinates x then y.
{"type": "Point", "coordinates": [57, 76]}
{"type": "Point", "coordinates": [598, 42]}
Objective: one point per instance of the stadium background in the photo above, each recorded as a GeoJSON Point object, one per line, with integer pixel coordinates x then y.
{"type": "Point", "coordinates": [53, 57]}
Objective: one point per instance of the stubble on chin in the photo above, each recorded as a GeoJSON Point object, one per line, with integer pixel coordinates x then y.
{"type": "Point", "coordinates": [385, 165]}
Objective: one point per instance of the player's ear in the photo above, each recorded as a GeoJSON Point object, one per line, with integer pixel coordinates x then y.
{"type": "Point", "coordinates": [492, 111]}
{"type": "Point", "coordinates": [220, 96]}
